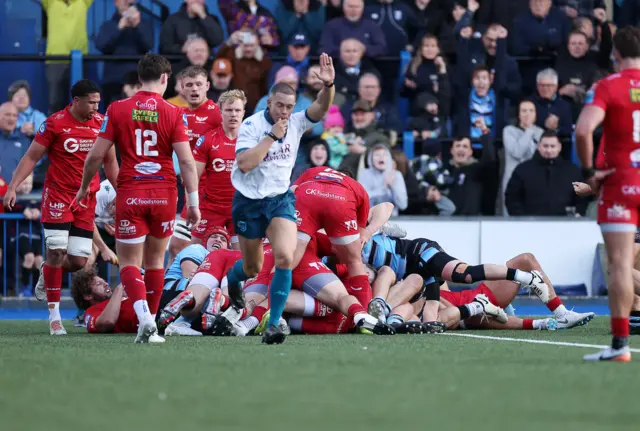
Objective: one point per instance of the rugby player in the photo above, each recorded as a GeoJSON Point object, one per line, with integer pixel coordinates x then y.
{"type": "Point", "coordinates": [147, 130]}
{"type": "Point", "coordinates": [203, 115]}
{"type": "Point", "coordinates": [66, 137]}
{"type": "Point", "coordinates": [613, 102]}
{"type": "Point", "coordinates": [266, 150]}
{"type": "Point", "coordinates": [107, 311]}
{"type": "Point", "coordinates": [214, 154]}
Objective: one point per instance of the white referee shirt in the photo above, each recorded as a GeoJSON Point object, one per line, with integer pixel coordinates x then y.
{"type": "Point", "coordinates": [271, 177]}
{"type": "Point", "coordinates": [104, 200]}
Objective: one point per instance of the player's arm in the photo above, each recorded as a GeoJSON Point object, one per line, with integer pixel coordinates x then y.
{"type": "Point", "coordinates": [188, 267]}
{"type": "Point", "coordinates": [107, 254]}
{"type": "Point", "coordinates": [24, 169]}
{"type": "Point", "coordinates": [106, 321]}
{"type": "Point", "coordinates": [377, 217]}
{"type": "Point", "coordinates": [94, 160]}
{"type": "Point", "coordinates": [200, 168]}
{"type": "Point", "coordinates": [111, 168]}
{"type": "Point", "coordinates": [324, 100]}
{"type": "Point", "coordinates": [590, 118]}
{"type": "Point", "coordinates": [187, 167]}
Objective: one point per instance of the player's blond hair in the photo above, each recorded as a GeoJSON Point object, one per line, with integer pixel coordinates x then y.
{"type": "Point", "coordinates": [231, 96]}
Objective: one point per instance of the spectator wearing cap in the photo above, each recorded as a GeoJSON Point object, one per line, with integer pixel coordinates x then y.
{"type": "Point", "coordinates": [300, 17]}
{"type": "Point", "coordinates": [298, 49]}
{"type": "Point", "coordinates": [250, 66]}
{"type": "Point", "coordinates": [221, 76]}
{"type": "Point", "coordinates": [362, 134]}
{"type": "Point", "coordinates": [29, 118]}
{"type": "Point", "coordinates": [369, 90]}
{"type": "Point", "coordinates": [553, 112]}
{"type": "Point", "coordinates": [334, 136]}
{"type": "Point", "coordinates": [289, 76]}
{"type": "Point", "coordinates": [126, 33]}
{"type": "Point", "coordinates": [13, 144]}
{"type": "Point", "coordinates": [350, 67]}
{"type": "Point", "coordinates": [539, 32]}
{"type": "Point", "coordinates": [427, 73]}
{"type": "Point", "coordinates": [250, 15]}
{"type": "Point", "coordinates": [131, 83]}
{"type": "Point", "coordinates": [490, 50]}
{"type": "Point", "coordinates": [192, 21]}
{"type": "Point", "coordinates": [353, 26]}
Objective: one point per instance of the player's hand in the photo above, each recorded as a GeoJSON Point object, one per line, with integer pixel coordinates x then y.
{"type": "Point", "coordinates": [473, 5]}
{"type": "Point", "coordinates": [27, 129]}
{"type": "Point", "coordinates": [327, 72]}
{"type": "Point", "coordinates": [597, 179]}
{"type": "Point", "coordinates": [193, 216]}
{"type": "Point", "coordinates": [582, 189]}
{"type": "Point", "coordinates": [409, 83]}
{"type": "Point", "coordinates": [365, 236]}
{"type": "Point", "coordinates": [9, 199]}
{"type": "Point", "coordinates": [80, 196]}
{"type": "Point", "coordinates": [280, 128]}
{"type": "Point", "coordinates": [109, 256]}
{"type": "Point", "coordinates": [466, 32]}
{"type": "Point", "coordinates": [440, 64]}
{"type": "Point", "coordinates": [110, 229]}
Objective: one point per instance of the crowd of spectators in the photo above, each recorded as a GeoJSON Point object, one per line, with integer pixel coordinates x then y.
{"type": "Point", "coordinates": [493, 87]}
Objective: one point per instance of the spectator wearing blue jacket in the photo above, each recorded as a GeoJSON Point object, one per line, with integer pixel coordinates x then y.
{"type": "Point", "coordinates": [29, 118]}
{"type": "Point", "coordinates": [126, 33]}
{"type": "Point", "coordinates": [490, 50]}
{"type": "Point", "coordinates": [300, 17]}
{"type": "Point", "coordinates": [552, 111]}
{"type": "Point", "coordinates": [13, 144]}
{"type": "Point", "coordinates": [353, 26]}
{"type": "Point", "coordinates": [298, 48]}
{"type": "Point", "coordinates": [477, 111]}
{"type": "Point", "coordinates": [540, 32]}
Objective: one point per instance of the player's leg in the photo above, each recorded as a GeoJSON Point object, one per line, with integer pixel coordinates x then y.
{"type": "Point", "coordinates": [512, 323]}
{"type": "Point", "coordinates": [378, 307]}
{"type": "Point", "coordinates": [180, 239]}
{"type": "Point", "coordinates": [56, 243]}
{"type": "Point", "coordinates": [634, 318]}
{"type": "Point", "coordinates": [282, 234]}
{"type": "Point", "coordinates": [247, 267]}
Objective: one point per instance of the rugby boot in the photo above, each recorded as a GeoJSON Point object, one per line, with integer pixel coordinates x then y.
{"type": "Point", "coordinates": [273, 335]}
{"type": "Point", "coordinates": [173, 308]}
{"type": "Point", "coordinates": [56, 328]}
{"type": "Point", "coordinates": [490, 309]}
{"type": "Point", "coordinates": [378, 309]}
{"type": "Point", "coordinates": [571, 319]}
{"type": "Point", "coordinates": [236, 294]}
{"type": "Point", "coordinates": [433, 327]}
{"type": "Point", "coordinates": [410, 327]}
{"type": "Point", "coordinates": [182, 328]}
{"type": "Point", "coordinates": [39, 291]}
{"type": "Point", "coordinates": [372, 324]}
{"type": "Point", "coordinates": [148, 333]}
{"type": "Point", "coordinates": [393, 230]}
{"type": "Point", "coordinates": [610, 354]}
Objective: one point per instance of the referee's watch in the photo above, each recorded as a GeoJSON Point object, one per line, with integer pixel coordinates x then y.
{"type": "Point", "coordinates": [272, 136]}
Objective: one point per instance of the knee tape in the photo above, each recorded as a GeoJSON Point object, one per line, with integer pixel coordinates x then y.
{"type": "Point", "coordinates": [56, 239]}
{"type": "Point", "coordinates": [461, 270]}
{"type": "Point", "coordinates": [435, 265]}
{"type": "Point", "coordinates": [432, 292]}
{"type": "Point", "coordinates": [79, 246]}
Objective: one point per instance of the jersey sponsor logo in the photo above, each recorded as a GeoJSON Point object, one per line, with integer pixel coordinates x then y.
{"type": "Point", "coordinates": [56, 206]}
{"type": "Point", "coordinates": [634, 95]}
{"type": "Point", "coordinates": [635, 158]}
{"type": "Point", "coordinates": [148, 168]}
{"type": "Point", "coordinates": [147, 201]}
{"type": "Point", "coordinates": [199, 141]}
{"type": "Point", "coordinates": [72, 145]}
{"type": "Point", "coordinates": [282, 153]}
{"type": "Point", "coordinates": [125, 228]}
{"type": "Point", "coordinates": [103, 128]}
{"type": "Point", "coordinates": [144, 116]}
{"type": "Point", "coordinates": [630, 190]}
{"type": "Point", "coordinates": [55, 214]}
{"type": "Point", "coordinates": [320, 193]}
{"type": "Point", "coordinates": [219, 165]}
{"type": "Point", "coordinates": [618, 212]}
{"type": "Point", "coordinates": [43, 128]}
{"type": "Point", "coordinates": [147, 105]}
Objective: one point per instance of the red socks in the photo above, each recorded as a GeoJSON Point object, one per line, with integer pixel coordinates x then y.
{"type": "Point", "coordinates": [258, 312]}
{"type": "Point", "coordinates": [355, 309]}
{"type": "Point", "coordinates": [320, 309]}
{"type": "Point", "coordinates": [527, 323]}
{"type": "Point", "coordinates": [554, 303]}
{"type": "Point", "coordinates": [154, 283]}
{"type": "Point", "coordinates": [620, 326]}
{"type": "Point", "coordinates": [52, 282]}
{"type": "Point", "coordinates": [133, 284]}
{"type": "Point", "coordinates": [360, 287]}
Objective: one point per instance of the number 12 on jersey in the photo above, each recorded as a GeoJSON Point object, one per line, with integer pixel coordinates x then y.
{"type": "Point", "coordinates": [144, 141]}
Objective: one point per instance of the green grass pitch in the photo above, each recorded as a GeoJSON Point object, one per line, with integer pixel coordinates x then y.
{"type": "Point", "coordinates": [351, 382]}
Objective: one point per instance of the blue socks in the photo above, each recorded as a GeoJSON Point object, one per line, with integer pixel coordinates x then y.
{"type": "Point", "coordinates": [236, 274]}
{"type": "Point", "coordinates": [278, 293]}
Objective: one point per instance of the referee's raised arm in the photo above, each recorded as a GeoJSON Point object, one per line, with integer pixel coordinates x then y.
{"type": "Point", "coordinates": [323, 102]}
{"type": "Point", "coordinates": [249, 158]}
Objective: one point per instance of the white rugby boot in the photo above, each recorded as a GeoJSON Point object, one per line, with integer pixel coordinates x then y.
{"type": "Point", "coordinates": [490, 309]}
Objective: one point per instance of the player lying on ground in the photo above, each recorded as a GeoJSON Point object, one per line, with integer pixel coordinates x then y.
{"type": "Point", "coordinates": [66, 137]}
{"type": "Point", "coordinates": [460, 306]}
{"type": "Point", "coordinates": [107, 311]}
{"type": "Point", "coordinates": [263, 205]}
{"type": "Point", "coordinates": [147, 130]}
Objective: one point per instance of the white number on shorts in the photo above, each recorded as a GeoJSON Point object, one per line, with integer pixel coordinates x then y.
{"type": "Point", "coordinates": [150, 140]}
{"type": "Point", "coordinates": [166, 225]}
{"type": "Point", "coordinates": [318, 265]}
{"type": "Point", "coordinates": [351, 224]}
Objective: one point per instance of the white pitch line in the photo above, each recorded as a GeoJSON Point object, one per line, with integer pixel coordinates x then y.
{"type": "Point", "coordinates": [525, 340]}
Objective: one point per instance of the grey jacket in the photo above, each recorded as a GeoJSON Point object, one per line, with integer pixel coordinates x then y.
{"type": "Point", "coordinates": [372, 179]}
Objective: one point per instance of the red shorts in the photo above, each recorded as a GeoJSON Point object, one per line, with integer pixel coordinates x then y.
{"type": "Point", "coordinates": [211, 218]}
{"type": "Point", "coordinates": [60, 207]}
{"type": "Point", "coordinates": [466, 296]}
{"type": "Point", "coordinates": [619, 201]}
{"type": "Point", "coordinates": [333, 323]}
{"type": "Point", "coordinates": [330, 207]}
{"type": "Point", "coordinates": [145, 212]}
{"type": "Point", "coordinates": [311, 275]}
